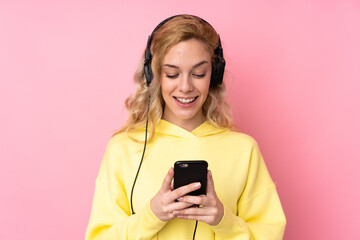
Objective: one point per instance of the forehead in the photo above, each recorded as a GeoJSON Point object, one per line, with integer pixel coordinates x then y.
{"type": "Point", "coordinates": [187, 53]}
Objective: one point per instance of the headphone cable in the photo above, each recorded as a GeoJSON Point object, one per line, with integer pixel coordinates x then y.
{"type": "Point", "coordinates": [142, 157]}
{"type": "Point", "coordinates": [195, 229]}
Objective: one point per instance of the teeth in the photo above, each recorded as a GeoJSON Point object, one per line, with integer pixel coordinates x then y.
{"type": "Point", "coordinates": [185, 100]}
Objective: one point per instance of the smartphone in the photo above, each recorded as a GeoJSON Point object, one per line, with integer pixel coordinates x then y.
{"type": "Point", "coordinates": [186, 172]}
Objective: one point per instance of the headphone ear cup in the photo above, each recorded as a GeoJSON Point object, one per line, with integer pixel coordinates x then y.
{"type": "Point", "coordinates": [147, 64]}
{"type": "Point", "coordinates": [217, 74]}
{"type": "Point", "coordinates": [148, 72]}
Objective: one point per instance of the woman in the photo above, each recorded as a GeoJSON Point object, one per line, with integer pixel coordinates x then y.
{"type": "Point", "coordinates": [181, 83]}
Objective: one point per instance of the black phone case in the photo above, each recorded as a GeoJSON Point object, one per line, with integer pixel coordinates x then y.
{"type": "Point", "coordinates": [186, 172]}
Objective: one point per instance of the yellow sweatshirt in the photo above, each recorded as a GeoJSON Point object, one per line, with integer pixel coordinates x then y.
{"type": "Point", "coordinates": [252, 209]}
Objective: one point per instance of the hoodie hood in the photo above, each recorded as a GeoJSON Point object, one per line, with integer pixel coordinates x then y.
{"type": "Point", "coordinates": [205, 129]}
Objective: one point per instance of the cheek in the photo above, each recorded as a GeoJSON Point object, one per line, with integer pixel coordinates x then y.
{"type": "Point", "coordinates": [204, 88]}
{"type": "Point", "coordinates": [205, 94]}
{"type": "Point", "coordinates": [167, 86]}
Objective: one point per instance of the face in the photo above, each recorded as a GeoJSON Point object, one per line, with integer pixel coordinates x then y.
{"type": "Point", "coordinates": [185, 81]}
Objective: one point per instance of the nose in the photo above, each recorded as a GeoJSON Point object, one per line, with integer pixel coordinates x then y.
{"type": "Point", "coordinates": [186, 84]}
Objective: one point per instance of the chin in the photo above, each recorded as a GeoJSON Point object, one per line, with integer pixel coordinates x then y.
{"type": "Point", "coordinates": [188, 116]}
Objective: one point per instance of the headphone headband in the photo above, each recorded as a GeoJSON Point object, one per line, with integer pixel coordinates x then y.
{"type": "Point", "coordinates": [218, 66]}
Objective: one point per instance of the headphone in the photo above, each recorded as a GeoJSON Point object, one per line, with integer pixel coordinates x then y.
{"type": "Point", "coordinates": [218, 66]}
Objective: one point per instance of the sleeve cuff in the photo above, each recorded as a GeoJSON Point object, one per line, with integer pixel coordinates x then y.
{"type": "Point", "coordinates": [152, 215]}
{"type": "Point", "coordinates": [147, 220]}
{"type": "Point", "coordinates": [230, 225]}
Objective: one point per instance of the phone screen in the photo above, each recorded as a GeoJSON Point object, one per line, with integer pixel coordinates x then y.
{"type": "Point", "coordinates": [186, 172]}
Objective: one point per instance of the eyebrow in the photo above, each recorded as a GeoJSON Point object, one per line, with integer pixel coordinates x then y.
{"type": "Point", "coordinates": [195, 66]}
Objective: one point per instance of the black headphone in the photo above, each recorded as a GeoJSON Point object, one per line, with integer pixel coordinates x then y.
{"type": "Point", "coordinates": [218, 66]}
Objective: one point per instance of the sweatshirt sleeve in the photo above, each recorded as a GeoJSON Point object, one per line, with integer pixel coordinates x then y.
{"type": "Point", "coordinates": [110, 215]}
{"type": "Point", "coordinates": [259, 213]}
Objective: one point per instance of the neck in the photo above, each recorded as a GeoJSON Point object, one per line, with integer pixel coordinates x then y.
{"type": "Point", "coordinates": [187, 124]}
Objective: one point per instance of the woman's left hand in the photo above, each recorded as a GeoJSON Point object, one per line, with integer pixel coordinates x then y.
{"type": "Point", "coordinates": [211, 209]}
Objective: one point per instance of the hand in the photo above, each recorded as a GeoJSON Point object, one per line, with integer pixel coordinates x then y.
{"type": "Point", "coordinates": [211, 209]}
{"type": "Point", "coordinates": [163, 203]}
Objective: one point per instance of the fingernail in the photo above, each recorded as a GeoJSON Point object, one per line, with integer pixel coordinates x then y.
{"type": "Point", "coordinates": [209, 172]}
{"type": "Point", "coordinates": [197, 184]}
{"type": "Point", "coordinates": [180, 198]}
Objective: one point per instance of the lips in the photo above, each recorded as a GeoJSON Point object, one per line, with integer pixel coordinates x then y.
{"type": "Point", "coordinates": [185, 100]}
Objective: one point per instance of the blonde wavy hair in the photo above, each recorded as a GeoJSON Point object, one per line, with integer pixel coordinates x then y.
{"type": "Point", "coordinates": [180, 28]}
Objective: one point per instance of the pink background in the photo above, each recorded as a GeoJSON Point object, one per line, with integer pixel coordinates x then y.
{"type": "Point", "coordinates": [66, 67]}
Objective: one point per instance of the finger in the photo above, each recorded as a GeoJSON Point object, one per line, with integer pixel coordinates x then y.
{"type": "Point", "coordinates": [166, 185]}
{"type": "Point", "coordinates": [198, 200]}
{"type": "Point", "coordinates": [195, 211]}
{"type": "Point", "coordinates": [205, 219]}
{"type": "Point", "coordinates": [181, 191]}
{"type": "Point", "coordinates": [210, 184]}
{"type": "Point", "coordinates": [172, 186]}
{"type": "Point", "coordinates": [178, 206]}
{"type": "Point", "coordinates": [175, 206]}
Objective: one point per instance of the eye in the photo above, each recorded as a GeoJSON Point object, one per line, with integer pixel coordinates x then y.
{"type": "Point", "coordinates": [199, 75]}
{"type": "Point", "coordinates": [171, 76]}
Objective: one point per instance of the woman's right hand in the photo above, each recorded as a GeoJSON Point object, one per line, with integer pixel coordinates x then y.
{"type": "Point", "coordinates": [163, 203]}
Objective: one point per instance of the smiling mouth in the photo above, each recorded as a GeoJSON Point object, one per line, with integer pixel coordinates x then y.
{"type": "Point", "coordinates": [185, 100]}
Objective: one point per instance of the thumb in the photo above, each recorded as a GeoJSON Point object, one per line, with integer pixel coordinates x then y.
{"type": "Point", "coordinates": [210, 184]}
{"type": "Point", "coordinates": [166, 185]}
